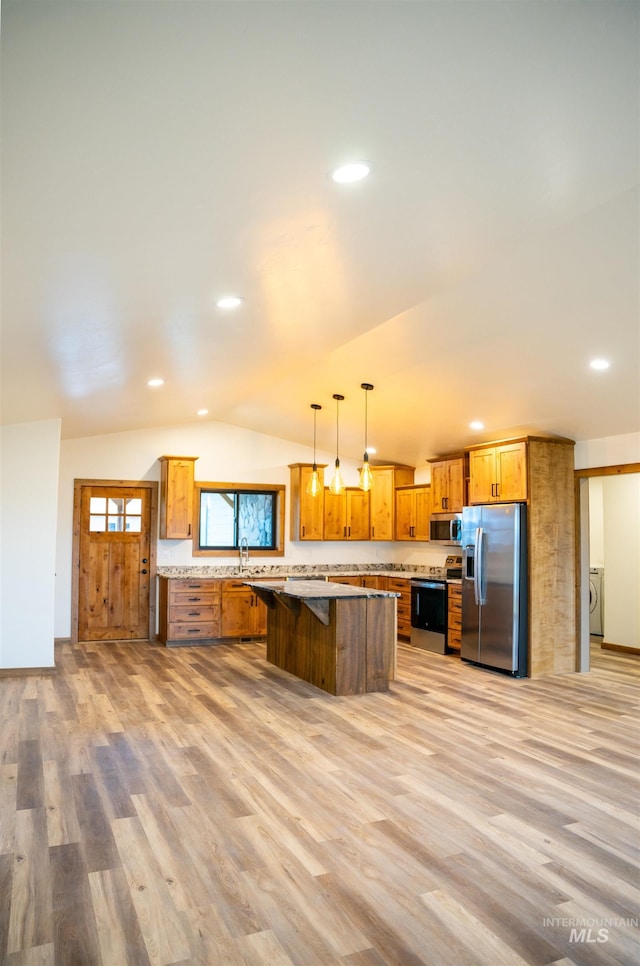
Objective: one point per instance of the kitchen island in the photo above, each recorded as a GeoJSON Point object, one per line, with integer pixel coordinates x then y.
{"type": "Point", "coordinates": [339, 638]}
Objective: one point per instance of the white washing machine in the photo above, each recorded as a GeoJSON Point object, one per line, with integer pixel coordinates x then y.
{"type": "Point", "coordinates": [595, 600]}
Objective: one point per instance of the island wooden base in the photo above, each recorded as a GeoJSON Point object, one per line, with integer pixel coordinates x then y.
{"type": "Point", "coordinates": [348, 648]}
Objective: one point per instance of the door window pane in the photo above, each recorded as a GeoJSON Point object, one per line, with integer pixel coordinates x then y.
{"type": "Point", "coordinates": [97, 524]}
{"type": "Point", "coordinates": [97, 504]}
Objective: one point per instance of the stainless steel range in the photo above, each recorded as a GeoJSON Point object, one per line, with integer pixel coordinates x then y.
{"type": "Point", "coordinates": [429, 606]}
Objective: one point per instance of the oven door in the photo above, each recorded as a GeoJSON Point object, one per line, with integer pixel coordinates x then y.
{"type": "Point", "coordinates": [429, 615]}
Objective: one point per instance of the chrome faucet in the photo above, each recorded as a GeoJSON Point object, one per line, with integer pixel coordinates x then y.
{"type": "Point", "coordinates": [243, 550]}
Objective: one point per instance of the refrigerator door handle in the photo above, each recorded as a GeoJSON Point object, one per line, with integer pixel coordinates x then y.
{"type": "Point", "coordinates": [476, 565]}
{"type": "Point", "coordinates": [481, 589]}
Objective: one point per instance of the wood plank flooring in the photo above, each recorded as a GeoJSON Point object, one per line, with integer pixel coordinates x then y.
{"type": "Point", "coordinates": [197, 805]}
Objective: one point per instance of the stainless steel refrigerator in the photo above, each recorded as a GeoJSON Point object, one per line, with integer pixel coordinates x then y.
{"type": "Point", "coordinates": [494, 587]}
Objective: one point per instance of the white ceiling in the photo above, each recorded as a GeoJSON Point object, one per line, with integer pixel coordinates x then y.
{"type": "Point", "coordinates": [157, 155]}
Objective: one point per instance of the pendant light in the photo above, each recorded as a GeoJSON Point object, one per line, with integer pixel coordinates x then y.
{"type": "Point", "coordinates": [366, 477]}
{"type": "Point", "coordinates": [337, 483]}
{"type": "Point", "coordinates": [314, 486]}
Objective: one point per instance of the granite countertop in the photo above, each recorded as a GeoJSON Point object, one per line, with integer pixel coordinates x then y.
{"type": "Point", "coordinates": [322, 571]}
{"type": "Point", "coordinates": [317, 589]}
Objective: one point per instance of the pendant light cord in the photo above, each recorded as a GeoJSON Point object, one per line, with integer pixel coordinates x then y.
{"type": "Point", "coordinates": [366, 400]}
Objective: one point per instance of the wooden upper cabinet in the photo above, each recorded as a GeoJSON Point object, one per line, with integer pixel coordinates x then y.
{"type": "Point", "coordinates": [498, 474]}
{"type": "Point", "coordinates": [382, 499]}
{"type": "Point", "coordinates": [447, 485]}
{"type": "Point", "coordinates": [358, 505]}
{"type": "Point", "coordinates": [413, 509]}
{"type": "Point", "coordinates": [346, 515]}
{"type": "Point", "coordinates": [176, 496]}
{"type": "Point", "coordinates": [511, 467]}
{"type": "Point", "coordinates": [306, 512]}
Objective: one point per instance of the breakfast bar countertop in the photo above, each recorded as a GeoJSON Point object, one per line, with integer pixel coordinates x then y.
{"type": "Point", "coordinates": [316, 589]}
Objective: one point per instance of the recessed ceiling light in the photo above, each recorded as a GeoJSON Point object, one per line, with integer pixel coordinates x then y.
{"type": "Point", "coordinates": [202, 412]}
{"type": "Point", "coordinates": [355, 171]}
{"type": "Point", "coordinates": [154, 383]}
{"type": "Point", "coordinates": [229, 302]}
{"type": "Point", "coordinates": [599, 364]}
{"type": "Point", "coordinates": [476, 424]}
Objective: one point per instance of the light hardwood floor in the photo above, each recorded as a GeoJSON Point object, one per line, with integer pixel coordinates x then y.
{"type": "Point", "coordinates": [197, 805]}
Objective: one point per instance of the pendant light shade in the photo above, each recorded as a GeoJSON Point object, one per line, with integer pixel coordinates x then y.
{"type": "Point", "coordinates": [314, 485]}
{"type": "Point", "coordinates": [366, 477]}
{"type": "Point", "coordinates": [337, 483]}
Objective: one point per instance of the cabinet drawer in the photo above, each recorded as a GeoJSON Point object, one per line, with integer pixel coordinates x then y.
{"type": "Point", "coordinates": [399, 585]}
{"type": "Point", "coordinates": [190, 613]}
{"type": "Point", "coordinates": [404, 628]}
{"type": "Point", "coordinates": [196, 598]}
{"type": "Point", "coordinates": [184, 586]}
{"type": "Point", "coordinates": [235, 586]}
{"type": "Point", "coordinates": [455, 620]}
{"type": "Point", "coordinates": [197, 631]}
{"type": "Point", "coordinates": [454, 639]}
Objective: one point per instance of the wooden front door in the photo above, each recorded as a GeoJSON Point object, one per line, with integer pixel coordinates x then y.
{"type": "Point", "coordinates": [114, 560]}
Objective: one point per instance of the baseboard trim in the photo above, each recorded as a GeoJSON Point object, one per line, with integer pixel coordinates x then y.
{"type": "Point", "coordinates": [6, 672]}
{"type": "Point", "coordinates": [620, 648]}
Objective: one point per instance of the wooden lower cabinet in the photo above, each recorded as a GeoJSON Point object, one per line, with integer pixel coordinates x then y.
{"type": "Point", "coordinates": [454, 616]}
{"type": "Point", "coordinates": [243, 613]}
{"type": "Point", "coordinates": [362, 580]}
{"type": "Point", "coordinates": [208, 610]}
{"type": "Point", "coordinates": [403, 587]}
{"type": "Point", "coordinates": [189, 611]}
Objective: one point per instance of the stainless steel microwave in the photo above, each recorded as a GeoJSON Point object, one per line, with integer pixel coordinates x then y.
{"type": "Point", "coordinates": [446, 528]}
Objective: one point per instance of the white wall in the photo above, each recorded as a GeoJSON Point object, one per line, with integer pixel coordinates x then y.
{"type": "Point", "coordinates": [614, 533]}
{"type": "Point", "coordinates": [608, 451]}
{"type": "Point", "coordinates": [596, 522]}
{"type": "Point", "coordinates": [28, 508]}
{"type": "Point", "coordinates": [225, 454]}
{"type": "Point", "coordinates": [621, 527]}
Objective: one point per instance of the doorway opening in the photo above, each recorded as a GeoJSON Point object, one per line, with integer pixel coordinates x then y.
{"type": "Point", "coordinates": [620, 533]}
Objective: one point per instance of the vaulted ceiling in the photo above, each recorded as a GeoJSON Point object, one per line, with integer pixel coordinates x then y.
{"type": "Point", "coordinates": [159, 155]}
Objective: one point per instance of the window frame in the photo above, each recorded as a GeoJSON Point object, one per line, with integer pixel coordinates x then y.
{"type": "Point", "coordinates": [278, 489]}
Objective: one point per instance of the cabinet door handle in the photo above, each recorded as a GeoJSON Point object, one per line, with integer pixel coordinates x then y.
{"type": "Point", "coordinates": [304, 530]}
{"type": "Point", "coordinates": [373, 531]}
{"type": "Point", "coordinates": [189, 530]}
{"type": "Point", "coordinates": [348, 531]}
{"type": "Point", "coordinates": [194, 600]}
